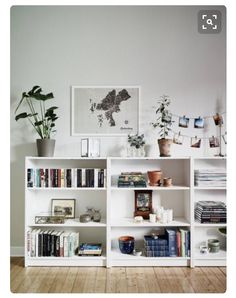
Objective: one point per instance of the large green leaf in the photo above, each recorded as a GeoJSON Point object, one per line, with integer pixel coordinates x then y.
{"type": "Point", "coordinates": [38, 123]}
{"type": "Point", "coordinates": [52, 109]}
{"type": "Point", "coordinates": [43, 97]}
{"type": "Point", "coordinates": [21, 116]}
{"type": "Point", "coordinates": [34, 90]}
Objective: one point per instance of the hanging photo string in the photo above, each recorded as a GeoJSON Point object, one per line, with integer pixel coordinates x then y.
{"type": "Point", "coordinates": [204, 117]}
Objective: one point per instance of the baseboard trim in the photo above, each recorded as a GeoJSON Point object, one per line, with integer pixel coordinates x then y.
{"type": "Point", "coordinates": [17, 251]}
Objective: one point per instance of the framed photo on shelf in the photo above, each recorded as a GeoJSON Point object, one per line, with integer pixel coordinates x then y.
{"type": "Point", "coordinates": [64, 207]}
{"type": "Point", "coordinates": [104, 110]}
{"type": "Point", "coordinates": [143, 203]}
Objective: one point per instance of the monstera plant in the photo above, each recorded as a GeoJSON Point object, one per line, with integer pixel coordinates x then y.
{"type": "Point", "coordinates": [42, 119]}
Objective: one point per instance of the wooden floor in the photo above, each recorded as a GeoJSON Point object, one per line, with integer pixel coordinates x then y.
{"type": "Point", "coordinates": [116, 280]}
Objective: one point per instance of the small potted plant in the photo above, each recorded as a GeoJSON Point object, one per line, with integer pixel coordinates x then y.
{"type": "Point", "coordinates": [43, 121]}
{"type": "Point", "coordinates": [164, 122]}
{"type": "Point", "coordinates": [136, 145]}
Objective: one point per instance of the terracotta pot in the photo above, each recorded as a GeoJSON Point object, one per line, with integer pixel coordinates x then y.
{"type": "Point", "coordinates": [164, 147]}
{"type": "Point", "coordinates": [154, 177]}
{"type": "Point", "coordinates": [167, 182]}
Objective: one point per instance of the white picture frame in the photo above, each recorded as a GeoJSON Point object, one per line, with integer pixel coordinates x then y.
{"type": "Point", "coordinates": [90, 110]}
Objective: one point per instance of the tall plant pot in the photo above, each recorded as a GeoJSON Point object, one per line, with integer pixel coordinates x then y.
{"type": "Point", "coordinates": [164, 147]}
{"type": "Point", "coordinates": [45, 147]}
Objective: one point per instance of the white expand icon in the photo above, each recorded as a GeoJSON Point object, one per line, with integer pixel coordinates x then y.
{"type": "Point", "coordinates": [209, 21]}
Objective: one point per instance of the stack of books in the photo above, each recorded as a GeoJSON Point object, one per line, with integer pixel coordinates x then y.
{"type": "Point", "coordinates": [132, 179]}
{"type": "Point", "coordinates": [66, 177]}
{"type": "Point", "coordinates": [210, 178]}
{"type": "Point", "coordinates": [90, 249]}
{"type": "Point", "coordinates": [156, 247]}
{"type": "Point", "coordinates": [174, 243]}
{"type": "Point", "coordinates": [210, 212]}
{"type": "Point", "coordinates": [50, 243]}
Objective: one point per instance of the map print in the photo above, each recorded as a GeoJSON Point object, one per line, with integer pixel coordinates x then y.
{"type": "Point", "coordinates": [109, 105]}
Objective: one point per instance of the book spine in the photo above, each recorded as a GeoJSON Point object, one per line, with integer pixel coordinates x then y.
{"type": "Point", "coordinates": [68, 177]}
{"type": "Point", "coordinates": [79, 178]}
{"type": "Point", "coordinates": [59, 178]}
{"type": "Point", "coordinates": [61, 245]}
{"type": "Point", "coordinates": [102, 177]}
{"type": "Point", "coordinates": [182, 243]}
{"type": "Point", "coordinates": [105, 177]}
{"type": "Point", "coordinates": [83, 178]}
{"type": "Point", "coordinates": [171, 234]}
{"type": "Point", "coordinates": [57, 245]}
{"type": "Point", "coordinates": [95, 177]}
{"type": "Point", "coordinates": [65, 246]}
{"type": "Point", "coordinates": [29, 178]}
{"type": "Point", "coordinates": [178, 240]}
{"type": "Point", "coordinates": [28, 235]}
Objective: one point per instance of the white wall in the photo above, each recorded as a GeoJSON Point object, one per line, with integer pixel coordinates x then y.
{"type": "Point", "coordinates": [158, 48]}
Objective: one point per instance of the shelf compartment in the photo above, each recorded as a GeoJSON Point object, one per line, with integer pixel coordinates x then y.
{"type": "Point", "coordinates": [119, 259]}
{"type": "Point", "coordinates": [66, 261]}
{"type": "Point", "coordinates": [66, 188]}
{"type": "Point", "coordinates": [209, 225]}
{"type": "Point", "coordinates": [210, 188]}
{"type": "Point", "coordinates": [174, 187]}
{"type": "Point", "coordinates": [129, 222]}
{"type": "Point", "coordinates": [72, 223]}
{"type": "Point", "coordinates": [221, 255]}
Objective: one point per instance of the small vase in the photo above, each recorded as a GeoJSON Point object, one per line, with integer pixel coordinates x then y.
{"type": "Point", "coordinates": [90, 211]}
{"type": "Point", "coordinates": [97, 215]}
{"type": "Point", "coordinates": [135, 152]}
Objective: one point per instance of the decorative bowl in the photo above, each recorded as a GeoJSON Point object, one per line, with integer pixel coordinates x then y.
{"type": "Point", "coordinates": [85, 218]}
{"type": "Point", "coordinates": [126, 244]}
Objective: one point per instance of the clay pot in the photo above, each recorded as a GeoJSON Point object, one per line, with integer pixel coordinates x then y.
{"type": "Point", "coordinates": [164, 147]}
{"type": "Point", "coordinates": [154, 177]}
{"type": "Point", "coordinates": [167, 182]}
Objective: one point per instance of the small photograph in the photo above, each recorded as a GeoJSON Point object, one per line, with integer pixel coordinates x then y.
{"type": "Point", "coordinates": [199, 122]}
{"type": "Point", "coordinates": [183, 122]}
{"type": "Point", "coordinates": [224, 137]}
{"type": "Point", "coordinates": [178, 139]}
{"type": "Point", "coordinates": [214, 142]}
{"type": "Point", "coordinates": [64, 207]}
{"type": "Point", "coordinates": [195, 142]}
{"type": "Point", "coordinates": [218, 119]}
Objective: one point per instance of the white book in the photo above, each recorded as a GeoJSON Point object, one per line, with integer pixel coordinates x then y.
{"type": "Point", "coordinates": [28, 235]}
{"type": "Point", "coordinates": [62, 177]}
{"type": "Point", "coordinates": [105, 177]}
{"type": "Point", "coordinates": [66, 245]}
{"type": "Point", "coordinates": [37, 242]}
{"type": "Point", "coordinates": [83, 178]}
{"type": "Point", "coordinates": [96, 177]}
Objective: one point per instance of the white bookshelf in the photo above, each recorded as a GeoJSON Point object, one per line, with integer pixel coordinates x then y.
{"type": "Point", "coordinates": [117, 207]}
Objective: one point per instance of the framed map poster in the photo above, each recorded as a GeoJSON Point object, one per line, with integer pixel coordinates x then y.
{"type": "Point", "coordinates": [104, 111]}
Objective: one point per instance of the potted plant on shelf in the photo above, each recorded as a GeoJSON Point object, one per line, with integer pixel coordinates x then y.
{"type": "Point", "coordinates": [42, 121]}
{"type": "Point", "coordinates": [164, 122]}
{"type": "Point", "coordinates": [136, 145]}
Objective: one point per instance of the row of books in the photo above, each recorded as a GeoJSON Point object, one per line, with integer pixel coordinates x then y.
{"type": "Point", "coordinates": [132, 179]}
{"type": "Point", "coordinates": [210, 212]}
{"type": "Point", "coordinates": [174, 243]}
{"type": "Point", "coordinates": [64, 178]}
{"type": "Point", "coordinates": [210, 177]}
{"type": "Point", "coordinates": [52, 243]}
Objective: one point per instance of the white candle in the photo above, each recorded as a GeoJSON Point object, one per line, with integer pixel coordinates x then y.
{"type": "Point", "coordinates": [170, 215]}
{"type": "Point", "coordinates": [164, 217]}
{"type": "Point", "coordinates": [152, 217]}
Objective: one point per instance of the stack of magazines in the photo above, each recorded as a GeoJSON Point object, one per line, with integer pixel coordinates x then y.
{"type": "Point", "coordinates": [210, 178]}
{"type": "Point", "coordinates": [90, 249]}
{"type": "Point", "coordinates": [132, 179]}
{"type": "Point", "coordinates": [210, 212]}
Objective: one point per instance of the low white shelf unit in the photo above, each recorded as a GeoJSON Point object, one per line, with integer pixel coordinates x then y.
{"type": "Point", "coordinates": [117, 209]}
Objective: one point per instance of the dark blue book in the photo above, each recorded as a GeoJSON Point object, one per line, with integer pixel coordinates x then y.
{"type": "Point", "coordinates": [171, 236]}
